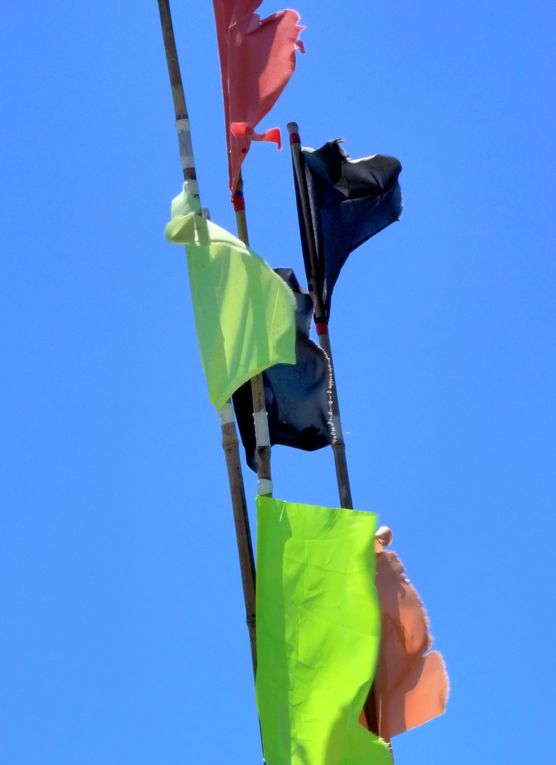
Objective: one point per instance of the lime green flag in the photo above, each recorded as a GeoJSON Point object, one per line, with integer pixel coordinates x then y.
{"type": "Point", "coordinates": [318, 626]}
{"type": "Point", "coordinates": [244, 312]}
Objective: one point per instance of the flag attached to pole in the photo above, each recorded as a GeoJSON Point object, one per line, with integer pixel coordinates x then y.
{"type": "Point", "coordinates": [350, 201]}
{"type": "Point", "coordinates": [411, 684]}
{"type": "Point", "coordinates": [257, 59]}
{"type": "Point", "coordinates": [297, 396]}
{"type": "Point", "coordinates": [318, 631]}
{"type": "Point", "coordinates": [244, 312]}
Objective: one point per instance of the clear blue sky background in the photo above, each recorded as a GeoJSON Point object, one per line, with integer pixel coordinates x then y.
{"type": "Point", "coordinates": [123, 637]}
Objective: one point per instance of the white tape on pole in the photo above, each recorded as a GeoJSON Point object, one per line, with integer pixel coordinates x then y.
{"type": "Point", "coordinates": [185, 144]}
{"type": "Point", "coordinates": [264, 487]}
{"type": "Point", "coordinates": [336, 424]}
{"type": "Point", "coordinates": [187, 161]}
{"type": "Point", "coordinates": [193, 186]}
{"type": "Point", "coordinates": [226, 414]}
{"type": "Point", "coordinates": [262, 436]}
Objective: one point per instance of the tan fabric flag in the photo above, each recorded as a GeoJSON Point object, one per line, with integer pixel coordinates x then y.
{"type": "Point", "coordinates": [411, 686]}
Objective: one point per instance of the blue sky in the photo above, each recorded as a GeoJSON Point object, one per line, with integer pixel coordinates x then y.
{"type": "Point", "coordinates": [123, 638]}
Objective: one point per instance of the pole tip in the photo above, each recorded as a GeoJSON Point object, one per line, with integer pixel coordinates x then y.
{"type": "Point", "coordinates": [384, 536]}
{"type": "Point", "coordinates": [293, 129]}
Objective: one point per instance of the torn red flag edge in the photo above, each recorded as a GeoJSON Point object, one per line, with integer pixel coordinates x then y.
{"type": "Point", "coordinates": [242, 130]}
{"type": "Point", "coordinates": [257, 59]}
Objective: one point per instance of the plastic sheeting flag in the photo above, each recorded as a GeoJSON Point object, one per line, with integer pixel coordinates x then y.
{"type": "Point", "coordinates": [244, 312]}
{"type": "Point", "coordinates": [318, 628]}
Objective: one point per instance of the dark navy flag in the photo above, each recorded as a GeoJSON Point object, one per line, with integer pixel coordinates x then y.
{"type": "Point", "coordinates": [351, 200]}
{"type": "Point", "coordinates": [297, 396]}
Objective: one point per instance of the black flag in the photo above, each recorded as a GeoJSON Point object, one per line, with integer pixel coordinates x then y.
{"type": "Point", "coordinates": [297, 396]}
{"type": "Point", "coordinates": [350, 200]}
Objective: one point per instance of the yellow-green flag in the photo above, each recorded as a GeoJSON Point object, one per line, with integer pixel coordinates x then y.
{"type": "Point", "coordinates": [244, 312]}
{"type": "Point", "coordinates": [318, 627]}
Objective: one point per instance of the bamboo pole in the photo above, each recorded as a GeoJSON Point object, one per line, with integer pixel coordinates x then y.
{"type": "Point", "coordinates": [370, 708]}
{"type": "Point", "coordinates": [315, 287]}
{"type": "Point", "coordinates": [260, 417]}
{"type": "Point", "coordinates": [226, 415]}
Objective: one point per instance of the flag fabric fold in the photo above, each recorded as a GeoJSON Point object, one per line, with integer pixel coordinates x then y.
{"type": "Point", "coordinates": [297, 396]}
{"type": "Point", "coordinates": [318, 630]}
{"type": "Point", "coordinates": [350, 201]}
{"type": "Point", "coordinates": [257, 59]}
{"type": "Point", "coordinates": [411, 684]}
{"type": "Point", "coordinates": [244, 312]}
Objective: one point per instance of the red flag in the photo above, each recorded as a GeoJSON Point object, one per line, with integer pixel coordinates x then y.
{"type": "Point", "coordinates": [257, 58]}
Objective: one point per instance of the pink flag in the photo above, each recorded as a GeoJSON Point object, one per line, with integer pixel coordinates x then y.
{"type": "Point", "coordinates": [257, 58]}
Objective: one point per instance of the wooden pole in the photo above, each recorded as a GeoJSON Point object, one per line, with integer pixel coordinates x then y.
{"type": "Point", "coordinates": [315, 287]}
{"type": "Point", "coordinates": [370, 710]}
{"type": "Point", "coordinates": [227, 423]}
{"type": "Point", "coordinates": [260, 417]}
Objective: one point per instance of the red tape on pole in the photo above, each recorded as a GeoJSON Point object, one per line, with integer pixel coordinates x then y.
{"type": "Point", "coordinates": [321, 327]}
{"type": "Point", "coordinates": [238, 201]}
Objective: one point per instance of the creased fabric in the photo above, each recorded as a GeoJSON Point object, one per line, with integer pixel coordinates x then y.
{"type": "Point", "coordinates": [257, 59]}
{"type": "Point", "coordinates": [350, 200]}
{"type": "Point", "coordinates": [411, 684]}
{"type": "Point", "coordinates": [297, 397]}
{"type": "Point", "coordinates": [244, 313]}
{"type": "Point", "coordinates": [317, 634]}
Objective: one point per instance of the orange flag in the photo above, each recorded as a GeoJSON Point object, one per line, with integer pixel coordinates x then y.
{"type": "Point", "coordinates": [257, 59]}
{"type": "Point", "coordinates": [411, 684]}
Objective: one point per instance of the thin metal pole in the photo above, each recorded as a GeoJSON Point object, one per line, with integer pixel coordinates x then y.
{"type": "Point", "coordinates": [226, 415]}
{"type": "Point", "coordinates": [315, 286]}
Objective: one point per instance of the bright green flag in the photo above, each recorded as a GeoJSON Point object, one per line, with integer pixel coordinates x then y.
{"type": "Point", "coordinates": [318, 627]}
{"type": "Point", "coordinates": [244, 312]}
